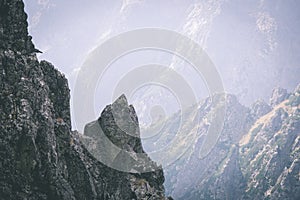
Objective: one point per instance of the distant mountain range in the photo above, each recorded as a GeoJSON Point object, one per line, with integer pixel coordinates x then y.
{"type": "Point", "coordinates": [256, 156]}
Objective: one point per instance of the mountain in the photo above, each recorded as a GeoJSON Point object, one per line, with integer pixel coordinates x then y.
{"type": "Point", "coordinates": [270, 152]}
{"type": "Point", "coordinates": [256, 155]}
{"type": "Point", "coordinates": [41, 158]}
{"type": "Point", "coordinates": [114, 140]}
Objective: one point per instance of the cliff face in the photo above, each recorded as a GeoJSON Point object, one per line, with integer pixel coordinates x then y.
{"type": "Point", "coordinates": [113, 139]}
{"type": "Point", "coordinates": [270, 152]}
{"type": "Point", "coordinates": [217, 175]}
{"type": "Point", "coordinates": [256, 156]}
{"type": "Point", "coordinates": [41, 158]}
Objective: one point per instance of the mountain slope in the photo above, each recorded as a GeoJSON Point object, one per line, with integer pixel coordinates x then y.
{"type": "Point", "coordinates": [256, 156]}
{"type": "Point", "coordinates": [40, 157]}
{"type": "Point", "coordinates": [269, 153]}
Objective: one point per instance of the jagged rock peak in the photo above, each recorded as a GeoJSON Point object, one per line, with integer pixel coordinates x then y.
{"type": "Point", "coordinates": [120, 124]}
{"type": "Point", "coordinates": [297, 89]}
{"type": "Point", "coordinates": [121, 100]}
{"type": "Point", "coordinates": [259, 108]}
{"type": "Point", "coordinates": [13, 27]}
{"type": "Point", "coordinates": [40, 157]}
{"type": "Point", "coordinates": [278, 96]}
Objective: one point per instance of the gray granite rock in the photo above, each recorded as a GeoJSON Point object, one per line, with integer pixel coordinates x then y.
{"type": "Point", "coordinates": [41, 158]}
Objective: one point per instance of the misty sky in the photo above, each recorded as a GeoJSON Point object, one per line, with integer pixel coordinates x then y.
{"type": "Point", "coordinates": [254, 44]}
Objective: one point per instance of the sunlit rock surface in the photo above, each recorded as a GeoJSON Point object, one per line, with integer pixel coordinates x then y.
{"type": "Point", "coordinates": [256, 156]}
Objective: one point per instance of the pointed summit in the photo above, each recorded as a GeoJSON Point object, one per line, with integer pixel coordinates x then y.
{"type": "Point", "coordinates": [122, 122]}
{"type": "Point", "coordinates": [13, 25]}
{"type": "Point", "coordinates": [121, 100]}
{"type": "Point", "coordinates": [297, 89]}
{"type": "Point", "coordinates": [278, 95]}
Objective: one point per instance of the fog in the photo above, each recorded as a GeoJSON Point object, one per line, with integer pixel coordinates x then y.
{"type": "Point", "coordinates": [254, 45]}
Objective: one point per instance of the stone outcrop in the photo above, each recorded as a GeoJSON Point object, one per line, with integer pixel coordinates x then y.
{"type": "Point", "coordinates": [278, 96]}
{"type": "Point", "coordinates": [114, 140]}
{"type": "Point", "coordinates": [41, 158]}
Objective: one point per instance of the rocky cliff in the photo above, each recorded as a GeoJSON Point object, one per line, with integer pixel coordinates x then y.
{"type": "Point", "coordinates": [256, 156]}
{"type": "Point", "coordinates": [41, 158]}
{"type": "Point", "coordinates": [270, 151]}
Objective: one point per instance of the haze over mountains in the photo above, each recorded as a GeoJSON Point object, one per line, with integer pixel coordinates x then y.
{"type": "Point", "coordinates": [254, 44]}
{"type": "Point", "coordinates": [256, 156]}
{"type": "Point", "coordinates": [240, 143]}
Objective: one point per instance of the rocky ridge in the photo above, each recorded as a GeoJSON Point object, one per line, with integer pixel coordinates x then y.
{"type": "Point", "coordinates": [41, 158]}
{"type": "Point", "coordinates": [256, 156]}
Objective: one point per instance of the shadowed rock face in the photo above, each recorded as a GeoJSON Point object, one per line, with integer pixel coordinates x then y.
{"type": "Point", "coordinates": [40, 157]}
{"type": "Point", "coordinates": [13, 27]}
{"type": "Point", "coordinates": [114, 140]}
{"type": "Point", "coordinates": [120, 124]}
